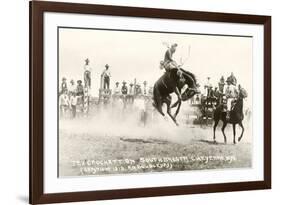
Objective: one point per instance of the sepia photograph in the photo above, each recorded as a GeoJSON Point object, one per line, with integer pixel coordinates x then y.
{"type": "Point", "coordinates": [137, 102]}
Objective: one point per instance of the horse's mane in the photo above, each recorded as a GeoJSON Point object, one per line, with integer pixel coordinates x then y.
{"type": "Point", "coordinates": [190, 76]}
{"type": "Point", "coordinates": [188, 73]}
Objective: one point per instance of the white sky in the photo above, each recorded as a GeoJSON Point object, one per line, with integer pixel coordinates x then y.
{"type": "Point", "coordinates": [137, 55]}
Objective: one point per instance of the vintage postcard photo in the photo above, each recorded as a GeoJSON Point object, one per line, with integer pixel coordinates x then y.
{"type": "Point", "coordinates": [132, 102]}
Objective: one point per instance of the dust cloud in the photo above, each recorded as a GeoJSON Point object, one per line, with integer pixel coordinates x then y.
{"type": "Point", "coordinates": [130, 122]}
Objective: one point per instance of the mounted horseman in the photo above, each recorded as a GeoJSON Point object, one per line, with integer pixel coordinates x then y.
{"type": "Point", "coordinates": [236, 115]}
{"type": "Point", "coordinates": [231, 93]}
{"type": "Point", "coordinates": [173, 81]}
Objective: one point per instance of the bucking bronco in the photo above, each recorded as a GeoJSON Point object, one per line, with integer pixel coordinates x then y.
{"type": "Point", "coordinates": [172, 82]}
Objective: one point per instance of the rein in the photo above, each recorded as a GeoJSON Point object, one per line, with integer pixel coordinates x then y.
{"type": "Point", "coordinates": [164, 84]}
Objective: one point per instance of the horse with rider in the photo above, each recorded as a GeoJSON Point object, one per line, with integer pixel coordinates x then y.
{"type": "Point", "coordinates": [233, 115]}
{"type": "Point", "coordinates": [173, 81]}
{"type": "Point", "coordinates": [229, 108]}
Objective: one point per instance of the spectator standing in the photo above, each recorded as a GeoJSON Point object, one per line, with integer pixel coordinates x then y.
{"type": "Point", "coordinates": [63, 103]}
{"type": "Point", "coordinates": [72, 88]}
{"type": "Point", "coordinates": [106, 77]}
{"type": "Point", "coordinates": [73, 103]}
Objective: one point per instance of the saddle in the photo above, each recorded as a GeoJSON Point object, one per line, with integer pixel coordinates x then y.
{"type": "Point", "coordinates": [164, 65]}
{"type": "Point", "coordinates": [168, 65]}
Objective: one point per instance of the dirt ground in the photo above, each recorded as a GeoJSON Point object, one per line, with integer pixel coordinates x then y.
{"type": "Point", "coordinates": [98, 147]}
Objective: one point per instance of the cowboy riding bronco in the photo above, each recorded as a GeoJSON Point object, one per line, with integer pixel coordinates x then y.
{"type": "Point", "coordinates": [173, 81]}
{"type": "Point", "coordinates": [168, 64]}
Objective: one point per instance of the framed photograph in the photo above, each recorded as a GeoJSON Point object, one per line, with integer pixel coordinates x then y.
{"type": "Point", "coordinates": [139, 102]}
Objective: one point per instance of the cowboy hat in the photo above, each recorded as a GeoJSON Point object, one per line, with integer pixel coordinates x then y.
{"type": "Point", "coordinates": [124, 82]}
{"type": "Point", "coordinates": [117, 83]}
{"type": "Point", "coordinates": [106, 65]}
{"type": "Point", "coordinates": [131, 84]}
{"type": "Point", "coordinates": [79, 81]}
{"type": "Point", "coordinates": [64, 78]}
{"type": "Point", "coordinates": [174, 45]}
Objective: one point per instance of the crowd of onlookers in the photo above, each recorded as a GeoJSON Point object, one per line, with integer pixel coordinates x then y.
{"type": "Point", "coordinates": [70, 96]}
{"type": "Point", "coordinates": [132, 90]}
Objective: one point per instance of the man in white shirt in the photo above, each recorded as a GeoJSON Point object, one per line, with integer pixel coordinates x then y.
{"type": "Point", "coordinates": [72, 87]}
{"type": "Point", "coordinates": [208, 86]}
{"type": "Point", "coordinates": [231, 94]}
{"type": "Point", "coordinates": [117, 90]}
{"type": "Point", "coordinates": [131, 93]}
{"type": "Point", "coordinates": [63, 103]}
{"type": "Point", "coordinates": [131, 89]}
{"type": "Point", "coordinates": [73, 104]}
{"type": "Point", "coordinates": [87, 73]}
